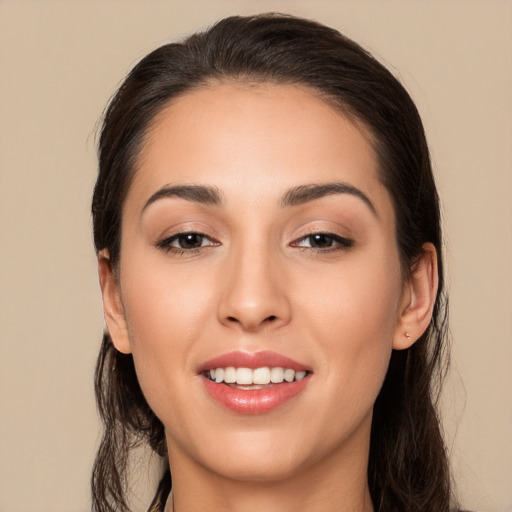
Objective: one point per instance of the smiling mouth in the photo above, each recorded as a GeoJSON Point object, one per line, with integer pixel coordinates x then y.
{"type": "Point", "coordinates": [258, 378]}
{"type": "Point", "coordinates": [254, 383]}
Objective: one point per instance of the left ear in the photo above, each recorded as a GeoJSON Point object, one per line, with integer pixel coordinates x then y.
{"type": "Point", "coordinates": [418, 299]}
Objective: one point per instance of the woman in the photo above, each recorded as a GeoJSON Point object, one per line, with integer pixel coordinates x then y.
{"type": "Point", "coordinates": [269, 246]}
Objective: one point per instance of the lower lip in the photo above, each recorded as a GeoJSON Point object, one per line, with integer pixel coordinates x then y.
{"type": "Point", "coordinates": [254, 401]}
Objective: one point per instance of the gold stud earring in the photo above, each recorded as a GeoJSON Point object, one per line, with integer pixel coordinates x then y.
{"type": "Point", "coordinates": [408, 336]}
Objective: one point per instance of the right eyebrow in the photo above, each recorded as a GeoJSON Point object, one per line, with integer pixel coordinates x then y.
{"type": "Point", "coordinates": [196, 193]}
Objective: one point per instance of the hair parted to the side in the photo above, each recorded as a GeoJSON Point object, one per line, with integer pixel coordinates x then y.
{"type": "Point", "coordinates": [408, 468]}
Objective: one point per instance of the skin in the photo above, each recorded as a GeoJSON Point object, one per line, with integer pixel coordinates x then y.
{"type": "Point", "coordinates": [258, 283]}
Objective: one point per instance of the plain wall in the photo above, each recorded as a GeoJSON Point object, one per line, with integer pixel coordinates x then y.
{"type": "Point", "coordinates": [59, 63]}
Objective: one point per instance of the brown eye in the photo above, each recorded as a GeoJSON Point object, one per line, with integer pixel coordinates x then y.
{"type": "Point", "coordinates": [186, 242]}
{"type": "Point", "coordinates": [189, 240]}
{"type": "Point", "coordinates": [320, 241]}
{"type": "Point", "coordinates": [323, 242]}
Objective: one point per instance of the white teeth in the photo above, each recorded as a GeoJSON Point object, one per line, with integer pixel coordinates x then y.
{"type": "Point", "coordinates": [230, 375]}
{"type": "Point", "coordinates": [219, 375]}
{"type": "Point", "coordinates": [243, 376]}
{"type": "Point", "coordinates": [289, 375]}
{"type": "Point", "coordinates": [259, 376]}
{"type": "Point", "coordinates": [276, 375]}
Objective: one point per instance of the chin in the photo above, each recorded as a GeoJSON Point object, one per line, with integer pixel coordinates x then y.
{"type": "Point", "coordinates": [264, 469]}
{"type": "Point", "coordinates": [264, 456]}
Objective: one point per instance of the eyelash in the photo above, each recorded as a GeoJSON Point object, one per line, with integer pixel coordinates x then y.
{"type": "Point", "coordinates": [339, 243]}
{"type": "Point", "coordinates": [166, 246]}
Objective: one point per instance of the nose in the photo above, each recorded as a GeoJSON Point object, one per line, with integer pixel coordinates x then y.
{"type": "Point", "coordinates": [254, 293]}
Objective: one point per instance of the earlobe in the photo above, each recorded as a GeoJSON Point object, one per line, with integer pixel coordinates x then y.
{"type": "Point", "coordinates": [418, 299]}
{"type": "Point", "coordinates": [112, 305]}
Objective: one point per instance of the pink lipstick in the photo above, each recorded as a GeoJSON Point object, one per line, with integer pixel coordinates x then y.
{"type": "Point", "coordinates": [254, 383]}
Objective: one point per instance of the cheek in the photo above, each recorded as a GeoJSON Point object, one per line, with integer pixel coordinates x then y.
{"type": "Point", "coordinates": [166, 312]}
{"type": "Point", "coordinates": [352, 315]}
{"type": "Point", "coordinates": [163, 303]}
{"type": "Point", "coordinates": [358, 300]}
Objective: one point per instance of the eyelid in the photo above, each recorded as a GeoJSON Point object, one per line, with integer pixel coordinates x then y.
{"type": "Point", "coordinates": [171, 238]}
{"type": "Point", "coordinates": [168, 236]}
{"type": "Point", "coordinates": [183, 228]}
{"type": "Point", "coordinates": [340, 234]}
{"type": "Point", "coordinates": [321, 226]}
{"type": "Point", "coordinates": [342, 242]}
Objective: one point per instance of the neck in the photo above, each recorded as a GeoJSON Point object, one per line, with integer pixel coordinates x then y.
{"type": "Point", "coordinates": [336, 483]}
{"type": "Point", "coordinates": [364, 505]}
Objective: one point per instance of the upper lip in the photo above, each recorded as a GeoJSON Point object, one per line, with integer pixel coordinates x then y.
{"type": "Point", "coordinates": [253, 360]}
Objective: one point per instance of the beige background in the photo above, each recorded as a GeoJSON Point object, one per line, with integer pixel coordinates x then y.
{"type": "Point", "coordinates": [59, 63]}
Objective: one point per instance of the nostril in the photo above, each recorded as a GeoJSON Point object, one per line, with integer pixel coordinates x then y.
{"type": "Point", "coordinates": [269, 319]}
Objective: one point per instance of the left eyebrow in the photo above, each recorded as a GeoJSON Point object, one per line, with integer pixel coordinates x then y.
{"type": "Point", "coordinates": [306, 193]}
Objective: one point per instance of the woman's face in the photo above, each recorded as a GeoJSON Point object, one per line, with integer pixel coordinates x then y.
{"type": "Point", "coordinates": [257, 235]}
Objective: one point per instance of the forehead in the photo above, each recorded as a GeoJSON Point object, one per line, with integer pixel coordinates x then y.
{"type": "Point", "coordinates": [246, 138]}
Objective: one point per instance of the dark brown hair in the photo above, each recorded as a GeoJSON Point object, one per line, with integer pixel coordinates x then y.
{"type": "Point", "coordinates": [408, 469]}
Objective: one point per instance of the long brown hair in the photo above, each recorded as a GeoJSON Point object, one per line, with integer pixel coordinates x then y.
{"type": "Point", "coordinates": [408, 468]}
